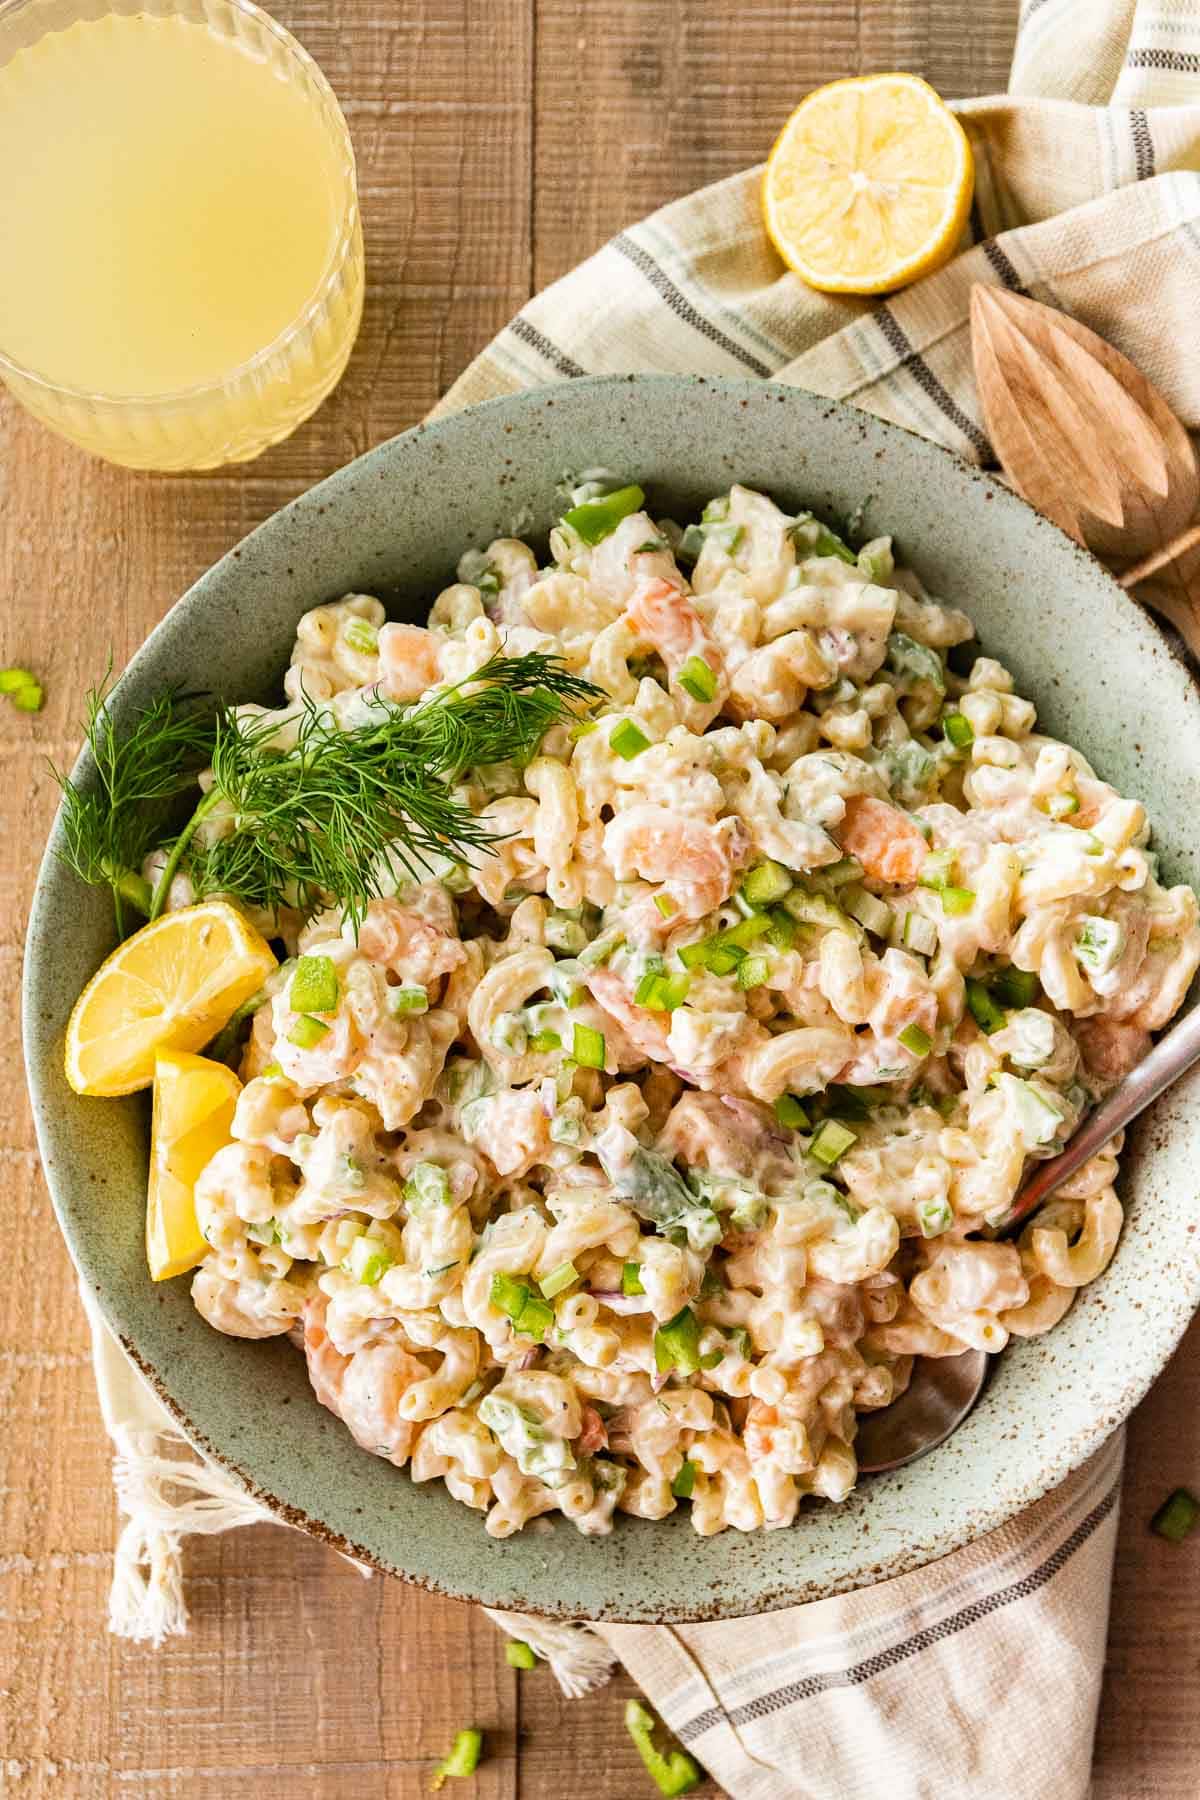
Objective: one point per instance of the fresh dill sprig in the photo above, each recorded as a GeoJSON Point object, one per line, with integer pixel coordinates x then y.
{"type": "Point", "coordinates": [110, 828]}
{"type": "Point", "coordinates": [339, 815]}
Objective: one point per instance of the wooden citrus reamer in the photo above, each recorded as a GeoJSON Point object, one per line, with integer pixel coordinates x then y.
{"type": "Point", "coordinates": [1090, 442]}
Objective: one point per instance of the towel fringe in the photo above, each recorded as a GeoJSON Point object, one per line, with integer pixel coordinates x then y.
{"type": "Point", "coordinates": [579, 1659]}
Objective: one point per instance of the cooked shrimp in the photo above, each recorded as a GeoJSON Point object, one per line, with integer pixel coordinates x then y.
{"type": "Point", "coordinates": [663, 617]}
{"type": "Point", "coordinates": [408, 655]}
{"type": "Point", "coordinates": [363, 1390]}
{"type": "Point", "coordinates": [646, 1031]}
{"type": "Point", "coordinates": [594, 1435]}
{"type": "Point", "coordinates": [886, 843]}
{"type": "Point", "coordinates": [693, 859]}
{"type": "Point", "coordinates": [407, 944]}
{"type": "Point", "coordinates": [770, 1437]}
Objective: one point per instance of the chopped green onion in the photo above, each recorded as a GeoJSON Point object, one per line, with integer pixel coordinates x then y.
{"type": "Point", "coordinates": [697, 679]}
{"type": "Point", "coordinates": [314, 986]}
{"type": "Point", "coordinates": [463, 1758]}
{"type": "Point", "coordinates": [428, 1185]}
{"type": "Point", "coordinates": [1061, 806]}
{"type": "Point", "coordinates": [677, 1344]}
{"type": "Point", "coordinates": [628, 740]}
{"type": "Point", "coordinates": [661, 993]}
{"type": "Point", "coordinates": [644, 992]}
{"type": "Point", "coordinates": [831, 1142]}
{"type": "Point", "coordinates": [753, 972]}
{"type": "Point", "coordinates": [916, 1040]}
{"type": "Point", "coordinates": [672, 1773]}
{"type": "Point", "coordinates": [934, 1216]}
{"type": "Point", "coordinates": [543, 1041]}
{"type": "Point", "coordinates": [937, 871]}
{"type": "Point", "coordinates": [307, 1033]}
{"type": "Point", "coordinates": [597, 519]}
{"type": "Point", "coordinates": [767, 883]}
{"type": "Point", "coordinates": [588, 1047]}
{"type": "Point", "coordinates": [1100, 944]}
{"type": "Point", "coordinates": [987, 1015]}
{"type": "Point", "coordinates": [1015, 987]}
{"type": "Point", "coordinates": [666, 906]}
{"type": "Point", "coordinates": [558, 1279]}
{"type": "Point", "coordinates": [1176, 1516]}
{"type": "Point", "coordinates": [404, 1000]}
{"type": "Point", "coordinates": [23, 688]}
{"type": "Point", "coordinates": [874, 914]}
{"type": "Point", "coordinates": [631, 1279]}
{"type": "Point", "coordinates": [957, 900]}
{"type": "Point", "coordinates": [791, 1113]}
{"type": "Point", "coordinates": [685, 1481]}
{"type": "Point", "coordinates": [362, 637]}
{"type": "Point", "coordinates": [958, 730]}
{"type": "Point", "coordinates": [367, 1261]}
{"type": "Point", "coordinates": [518, 1655]}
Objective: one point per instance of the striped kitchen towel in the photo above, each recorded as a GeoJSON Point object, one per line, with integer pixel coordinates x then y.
{"type": "Point", "coordinates": [977, 1678]}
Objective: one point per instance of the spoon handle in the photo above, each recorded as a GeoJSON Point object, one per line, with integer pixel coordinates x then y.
{"type": "Point", "coordinates": [1170, 1058]}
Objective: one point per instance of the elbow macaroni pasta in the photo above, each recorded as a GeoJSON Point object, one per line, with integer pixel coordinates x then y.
{"type": "Point", "coordinates": [644, 1152]}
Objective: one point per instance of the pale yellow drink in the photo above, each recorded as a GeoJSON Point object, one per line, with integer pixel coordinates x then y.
{"type": "Point", "coordinates": [179, 237]}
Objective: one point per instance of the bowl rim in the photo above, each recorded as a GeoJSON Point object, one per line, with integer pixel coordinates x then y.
{"type": "Point", "coordinates": [1162, 1331]}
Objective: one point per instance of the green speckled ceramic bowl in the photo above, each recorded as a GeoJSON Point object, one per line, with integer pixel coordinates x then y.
{"type": "Point", "coordinates": [394, 523]}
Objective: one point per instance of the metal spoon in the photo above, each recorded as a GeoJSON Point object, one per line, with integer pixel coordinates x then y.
{"type": "Point", "coordinates": [944, 1389]}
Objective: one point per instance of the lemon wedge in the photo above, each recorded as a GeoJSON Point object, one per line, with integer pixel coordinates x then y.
{"type": "Point", "coordinates": [869, 185]}
{"type": "Point", "coordinates": [194, 1100]}
{"type": "Point", "coordinates": [171, 986]}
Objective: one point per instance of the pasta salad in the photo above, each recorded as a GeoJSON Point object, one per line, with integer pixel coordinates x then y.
{"type": "Point", "coordinates": [622, 1163]}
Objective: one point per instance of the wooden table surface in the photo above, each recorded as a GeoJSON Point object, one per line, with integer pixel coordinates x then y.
{"type": "Point", "coordinates": [499, 141]}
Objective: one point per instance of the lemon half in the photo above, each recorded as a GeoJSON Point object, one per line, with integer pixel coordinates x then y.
{"type": "Point", "coordinates": [171, 986]}
{"type": "Point", "coordinates": [869, 185]}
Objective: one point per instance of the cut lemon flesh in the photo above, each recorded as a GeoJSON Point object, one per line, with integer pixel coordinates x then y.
{"type": "Point", "coordinates": [194, 1101]}
{"type": "Point", "coordinates": [869, 185]}
{"type": "Point", "coordinates": [171, 986]}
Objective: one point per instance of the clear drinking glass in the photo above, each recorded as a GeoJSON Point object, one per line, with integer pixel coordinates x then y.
{"type": "Point", "coordinates": [198, 157]}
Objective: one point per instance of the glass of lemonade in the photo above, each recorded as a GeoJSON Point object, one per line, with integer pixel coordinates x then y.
{"type": "Point", "coordinates": [181, 259]}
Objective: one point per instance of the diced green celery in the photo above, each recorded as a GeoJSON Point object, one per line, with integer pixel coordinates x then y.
{"type": "Point", "coordinates": [1015, 987]}
{"type": "Point", "coordinates": [647, 987]}
{"type": "Point", "coordinates": [697, 679]}
{"type": "Point", "coordinates": [753, 971]}
{"type": "Point", "coordinates": [518, 1655]}
{"type": "Point", "coordinates": [690, 544]}
{"type": "Point", "coordinates": [307, 1033]}
{"type": "Point", "coordinates": [915, 1039]}
{"type": "Point", "coordinates": [535, 1320]}
{"type": "Point", "coordinates": [631, 1279]}
{"type": "Point", "coordinates": [23, 688]}
{"type": "Point", "coordinates": [315, 987]}
{"type": "Point", "coordinates": [402, 1000]}
{"type": "Point", "coordinates": [723, 959]}
{"type": "Point", "coordinates": [542, 1042]}
{"type": "Point", "coordinates": [744, 933]}
{"type": "Point", "coordinates": [1099, 944]}
{"type": "Point", "coordinates": [937, 871]}
{"type": "Point", "coordinates": [958, 730]}
{"type": "Point", "coordinates": [767, 883]}
{"type": "Point", "coordinates": [693, 956]}
{"type": "Point", "coordinates": [558, 1279]}
{"type": "Point", "coordinates": [812, 538]}
{"type": "Point", "coordinates": [628, 740]}
{"type": "Point", "coordinates": [508, 1295]}
{"type": "Point", "coordinates": [565, 931]}
{"type": "Point", "coordinates": [919, 934]}
{"type": "Point", "coordinates": [837, 874]}
{"type": "Point", "coordinates": [782, 935]}
{"type": "Point", "coordinates": [987, 1015]}
{"type": "Point", "coordinates": [597, 519]}
{"type": "Point", "coordinates": [685, 1481]}
{"type": "Point", "coordinates": [790, 1112]}
{"type": "Point", "coordinates": [362, 636]}
{"type": "Point", "coordinates": [666, 906]}
{"type": "Point", "coordinates": [1177, 1516]}
{"type": "Point", "coordinates": [427, 1185]}
{"type": "Point", "coordinates": [816, 909]}
{"type": "Point", "coordinates": [463, 1759]}
{"type": "Point", "coordinates": [1061, 806]}
{"type": "Point", "coordinates": [907, 658]}
{"type": "Point", "coordinates": [588, 1047]}
{"type": "Point", "coordinates": [934, 1216]}
{"type": "Point", "coordinates": [368, 1260]}
{"type": "Point", "coordinates": [831, 1142]}
{"type": "Point", "coordinates": [677, 1344]}
{"type": "Point", "coordinates": [673, 1772]}
{"type": "Point", "coordinates": [876, 561]}
{"type": "Point", "coordinates": [957, 900]}
{"type": "Point", "coordinates": [600, 949]}
{"type": "Point", "coordinates": [876, 915]}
